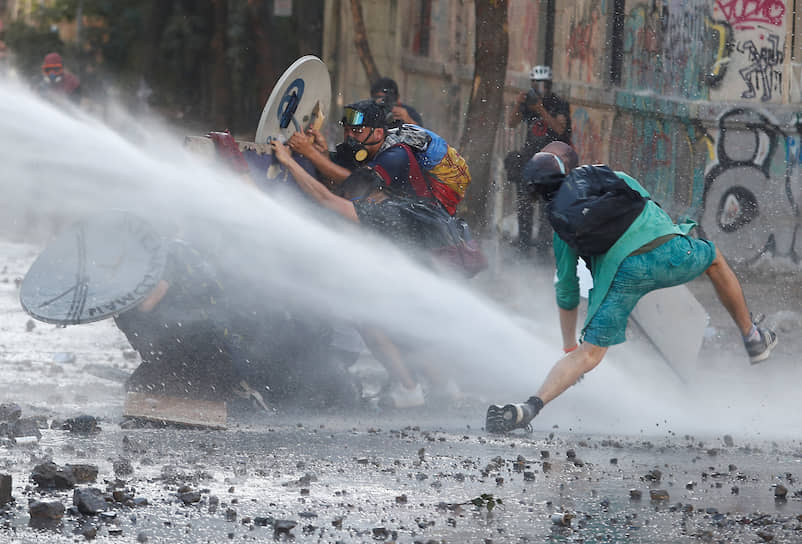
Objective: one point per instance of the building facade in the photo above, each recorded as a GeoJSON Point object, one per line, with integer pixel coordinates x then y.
{"type": "Point", "coordinates": [701, 100]}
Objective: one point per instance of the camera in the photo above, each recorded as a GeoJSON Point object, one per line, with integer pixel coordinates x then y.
{"type": "Point", "coordinates": [389, 99]}
{"type": "Point", "coordinates": [533, 97]}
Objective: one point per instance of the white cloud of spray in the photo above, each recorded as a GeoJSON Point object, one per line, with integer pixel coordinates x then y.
{"type": "Point", "coordinates": [66, 164]}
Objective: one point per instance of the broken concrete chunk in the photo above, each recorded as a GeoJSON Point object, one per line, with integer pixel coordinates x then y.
{"type": "Point", "coordinates": [122, 467]}
{"type": "Point", "coordinates": [89, 501]}
{"type": "Point", "coordinates": [84, 474]}
{"type": "Point", "coordinates": [26, 427]}
{"type": "Point", "coordinates": [658, 495]}
{"type": "Point", "coordinates": [46, 510]}
{"type": "Point", "coordinates": [5, 489]}
{"type": "Point", "coordinates": [83, 424]}
{"type": "Point", "coordinates": [51, 476]}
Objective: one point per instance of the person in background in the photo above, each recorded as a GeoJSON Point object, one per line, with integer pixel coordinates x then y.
{"type": "Point", "coordinates": [366, 199]}
{"type": "Point", "coordinates": [652, 253]}
{"type": "Point", "coordinates": [364, 133]}
{"type": "Point", "coordinates": [385, 91]}
{"type": "Point", "coordinates": [548, 119]}
{"type": "Point", "coordinates": [57, 82]}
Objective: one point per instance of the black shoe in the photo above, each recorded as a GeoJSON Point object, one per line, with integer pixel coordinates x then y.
{"type": "Point", "coordinates": [760, 349]}
{"type": "Point", "coordinates": [503, 419]}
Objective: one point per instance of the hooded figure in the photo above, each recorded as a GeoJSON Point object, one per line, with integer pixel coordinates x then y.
{"type": "Point", "coordinates": [57, 80]}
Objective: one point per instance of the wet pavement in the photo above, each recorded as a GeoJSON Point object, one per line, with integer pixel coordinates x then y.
{"type": "Point", "coordinates": [421, 475]}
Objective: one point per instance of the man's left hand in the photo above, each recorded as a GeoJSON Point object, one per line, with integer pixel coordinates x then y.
{"type": "Point", "coordinates": [400, 113]}
{"type": "Point", "coordinates": [301, 143]}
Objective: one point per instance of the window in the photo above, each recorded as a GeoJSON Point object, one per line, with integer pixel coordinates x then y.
{"type": "Point", "coordinates": [422, 22]}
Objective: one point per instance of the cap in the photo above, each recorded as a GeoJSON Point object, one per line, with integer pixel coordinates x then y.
{"type": "Point", "coordinates": [364, 113]}
{"type": "Point", "coordinates": [540, 73]}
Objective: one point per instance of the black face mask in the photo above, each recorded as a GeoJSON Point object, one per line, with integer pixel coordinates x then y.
{"type": "Point", "coordinates": [353, 151]}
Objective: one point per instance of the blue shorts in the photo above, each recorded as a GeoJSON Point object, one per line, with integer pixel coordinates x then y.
{"type": "Point", "coordinates": [677, 261]}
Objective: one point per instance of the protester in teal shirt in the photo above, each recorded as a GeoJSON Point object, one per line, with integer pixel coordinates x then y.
{"type": "Point", "coordinates": [653, 253]}
{"type": "Point", "coordinates": [652, 224]}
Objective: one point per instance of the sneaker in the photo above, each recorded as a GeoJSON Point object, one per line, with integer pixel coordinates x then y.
{"type": "Point", "coordinates": [503, 419]}
{"type": "Point", "coordinates": [760, 349]}
{"type": "Point", "coordinates": [402, 397]}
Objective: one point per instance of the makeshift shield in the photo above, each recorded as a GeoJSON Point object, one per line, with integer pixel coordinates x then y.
{"type": "Point", "coordinates": [298, 101]}
{"type": "Point", "coordinates": [99, 267]}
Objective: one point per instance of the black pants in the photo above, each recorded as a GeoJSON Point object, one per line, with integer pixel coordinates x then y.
{"type": "Point", "coordinates": [525, 202]}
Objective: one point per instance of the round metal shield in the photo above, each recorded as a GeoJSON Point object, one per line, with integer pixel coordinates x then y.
{"type": "Point", "coordinates": [300, 99]}
{"type": "Point", "coordinates": [99, 267]}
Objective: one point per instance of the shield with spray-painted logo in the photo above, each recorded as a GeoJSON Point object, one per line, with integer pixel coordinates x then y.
{"type": "Point", "coordinates": [98, 267]}
{"type": "Point", "coordinates": [298, 101]}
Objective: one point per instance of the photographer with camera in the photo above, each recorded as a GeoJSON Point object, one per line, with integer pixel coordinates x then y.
{"type": "Point", "coordinates": [548, 119]}
{"type": "Point", "coordinates": [385, 92]}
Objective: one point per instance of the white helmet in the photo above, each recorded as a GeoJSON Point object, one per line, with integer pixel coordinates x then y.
{"type": "Point", "coordinates": [540, 73]}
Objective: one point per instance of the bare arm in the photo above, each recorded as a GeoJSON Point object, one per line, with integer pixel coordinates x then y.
{"type": "Point", "coordinates": [387, 353]}
{"type": "Point", "coordinates": [313, 187]}
{"type": "Point", "coordinates": [304, 145]}
{"type": "Point", "coordinates": [558, 123]}
{"type": "Point", "coordinates": [568, 320]}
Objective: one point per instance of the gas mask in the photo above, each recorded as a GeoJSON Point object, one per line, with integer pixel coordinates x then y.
{"type": "Point", "coordinates": [353, 151]}
{"type": "Point", "coordinates": [52, 76]}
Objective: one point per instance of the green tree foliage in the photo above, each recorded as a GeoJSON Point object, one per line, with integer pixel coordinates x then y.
{"type": "Point", "coordinates": [169, 44]}
{"type": "Point", "coordinates": [30, 44]}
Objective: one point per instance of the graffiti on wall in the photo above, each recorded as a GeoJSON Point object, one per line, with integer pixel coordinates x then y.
{"type": "Point", "coordinates": [746, 15]}
{"type": "Point", "coordinates": [722, 45]}
{"type": "Point", "coordinates": [762, 73]}
{"type": "Point", "coordinates": [661, 153]}
{"type": "Point", "coordinates": [525, 35]}
{"type": "Point", "coordinates": [586, 136]}
{"type": "Point", "coordinates": [671, 47]}
{"type": "Point", "coordinates": [683, 48]}
{"type": "Point", "coordinates": [581, 49]}
{"type": "Point", "coordinates": [757, 55]}
{"type": "Point", "coordinates": [752, 187]}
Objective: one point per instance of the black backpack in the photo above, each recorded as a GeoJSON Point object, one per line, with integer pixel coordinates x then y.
{"type": "Point", "coordinates": [592, 209]}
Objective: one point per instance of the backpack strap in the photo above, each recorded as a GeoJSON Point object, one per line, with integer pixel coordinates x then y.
{"type": "Point", "coordinates": [417, 178]}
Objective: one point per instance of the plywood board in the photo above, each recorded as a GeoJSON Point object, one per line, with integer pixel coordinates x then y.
{"type": "Point", "coordinates": [205, 146]}
{"type": "Point", "coordinates": [184, 411]}
{"type": "Point", "coordinates": [675, 322]}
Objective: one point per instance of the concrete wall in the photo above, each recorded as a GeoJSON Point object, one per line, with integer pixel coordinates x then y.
{"type": "Point", "coordinates": [705, 112]}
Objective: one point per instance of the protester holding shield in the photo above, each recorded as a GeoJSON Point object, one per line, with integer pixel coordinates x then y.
{"type": "Point", "coordinates": [420, 226]}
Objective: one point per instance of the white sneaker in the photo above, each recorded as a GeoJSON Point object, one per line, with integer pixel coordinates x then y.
{"type": "Point", "coordinates": [406, 398]}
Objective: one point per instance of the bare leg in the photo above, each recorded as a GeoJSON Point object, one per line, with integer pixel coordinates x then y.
{"type": "Point", "coordinates": [729, 292]}
{"type": "Point", "coordinates": [388, 355]}
{"type": "Point", "coordinates": [569, 369]}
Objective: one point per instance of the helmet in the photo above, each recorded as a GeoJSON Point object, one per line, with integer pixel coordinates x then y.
{"type": "Point", "coordinates": [544, 173]}
{"type": "Point", "coordinates": [365, 113]}
{"type": "Point", "coordinates": [540, 73]}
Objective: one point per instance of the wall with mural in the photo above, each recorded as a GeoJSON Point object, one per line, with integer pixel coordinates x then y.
{"type": "Point", "coordinates": [755, 59]}
{"type": "Point", "coordinates": [580, 50]}
{"type": "Point", "coordinates": [526, 35]}
{"type": "Point", "coordinates": [701, 100]}
{"type": "Point", "coordinates": [752, 189]}
{"type": "Point", "coordinates": [704, 119]}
